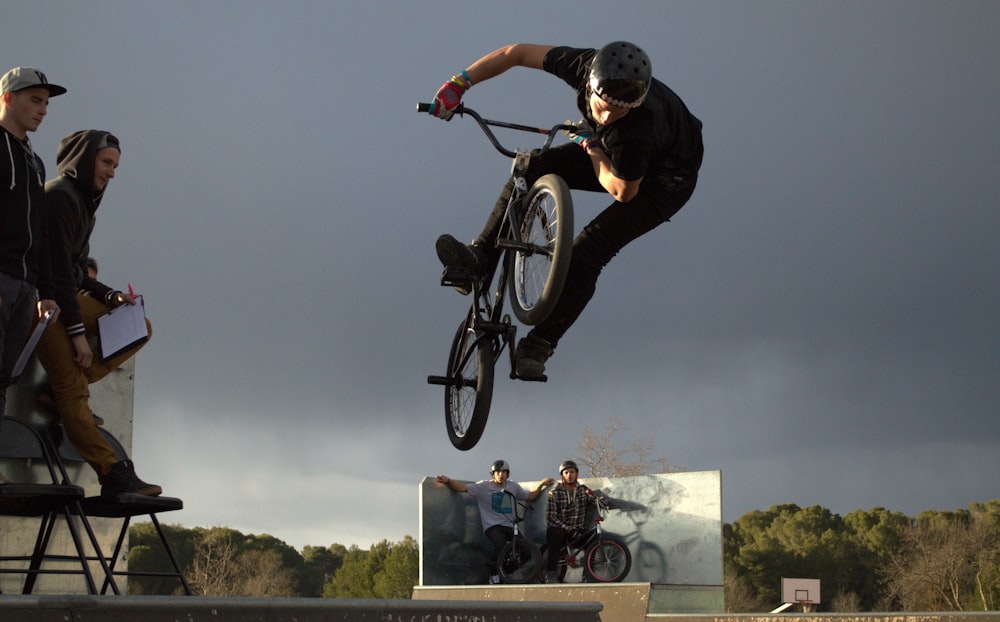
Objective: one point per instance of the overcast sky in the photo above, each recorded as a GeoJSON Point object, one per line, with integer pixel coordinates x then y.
{"type": "Point", "coordinates": [819, 323]}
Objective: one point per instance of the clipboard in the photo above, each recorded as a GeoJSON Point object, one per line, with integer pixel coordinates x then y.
{"type": "Point", "coordinates": [121, 328]}
{"type": "Point", "coordinates": [29, 348]}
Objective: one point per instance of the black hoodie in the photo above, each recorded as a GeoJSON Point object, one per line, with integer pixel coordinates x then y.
{"type": "Point", "coordinates": [72, 210]}
{"type": "Point", "coordinates": [22, 203]}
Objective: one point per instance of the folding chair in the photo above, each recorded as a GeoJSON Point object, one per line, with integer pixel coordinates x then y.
{"type": "Point", "coordinates": [125, 506]}
{"type": "Point", "coordinates": [21, 445]}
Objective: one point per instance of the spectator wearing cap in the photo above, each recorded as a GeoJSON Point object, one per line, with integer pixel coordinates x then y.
{"type": "Point", "coordinates": [86, 163]}
{"type": "Point", "coordinates": [24, 102]}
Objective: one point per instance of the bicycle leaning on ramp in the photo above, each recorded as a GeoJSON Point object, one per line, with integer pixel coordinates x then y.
{"type": "Point", "coordinates": [535, 242]}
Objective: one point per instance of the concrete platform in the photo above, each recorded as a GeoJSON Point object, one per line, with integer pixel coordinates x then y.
{"type": "Point", "coordinates": [622, 602]}
{"type": "Point", "coordinates": [200, 609]}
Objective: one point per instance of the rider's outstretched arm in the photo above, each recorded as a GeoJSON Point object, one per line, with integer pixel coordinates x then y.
{"type": "Point", "coordinates": [515, 55]}
{"type": "Point", "coordinates": [449, 96]}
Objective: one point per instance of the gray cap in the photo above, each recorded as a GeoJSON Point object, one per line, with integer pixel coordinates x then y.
{"type": "Point", "coordinates": [20, 78]}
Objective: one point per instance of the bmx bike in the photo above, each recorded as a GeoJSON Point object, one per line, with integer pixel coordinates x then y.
{"type": "Point", "coordinates": [534, 244]}
{"type": "Point", "coordinates": [519, 559]}
{"type": "Point", "coordinates": [603, 558]}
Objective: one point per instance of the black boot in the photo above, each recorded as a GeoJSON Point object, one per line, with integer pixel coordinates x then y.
{"type": "Point", "coordinates": [122, 478]}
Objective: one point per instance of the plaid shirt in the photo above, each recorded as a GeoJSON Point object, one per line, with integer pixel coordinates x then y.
{"type": "Point", "coordinates": [567, 508]}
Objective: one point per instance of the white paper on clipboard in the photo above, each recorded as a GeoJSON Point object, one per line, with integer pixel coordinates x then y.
{"type": "Point", "coordinates": [29, 348]}
{"type": "Point", "coordinates": [121, 328]}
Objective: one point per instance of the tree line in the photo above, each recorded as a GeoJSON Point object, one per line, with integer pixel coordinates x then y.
{"type": "Point", "coordinates": [874, 560]}
{"type": "Point", "coordinates": [868, 560]}
{"type": "Point", "coordinates": [220, 561]}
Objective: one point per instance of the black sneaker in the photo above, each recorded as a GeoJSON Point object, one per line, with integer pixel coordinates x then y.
{"type": "Point", "coordinates": [530, 357]}
{"type": "Point", "coordinates": [122, 478]}
{"type": "Point", "coordinates": [454, 255]}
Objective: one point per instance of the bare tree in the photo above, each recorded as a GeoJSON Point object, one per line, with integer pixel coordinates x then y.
{"type": "Point", "coordinates": [214, 567]}
{"type": "Point", "coordinates": [264, 574]}
{"type": "Point", "coordinates": [946, 562]}
{"type": "Point", "coordinates": [602, 458]}
{"type": "Point", "coordinates": [222, 567]}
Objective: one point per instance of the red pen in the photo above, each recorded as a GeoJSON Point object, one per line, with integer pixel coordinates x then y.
{"type": "Point", "coordinates": [130, 292]}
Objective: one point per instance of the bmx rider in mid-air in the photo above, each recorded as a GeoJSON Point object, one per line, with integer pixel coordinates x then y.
{"type": "Point", "coordinates": [637, 141]}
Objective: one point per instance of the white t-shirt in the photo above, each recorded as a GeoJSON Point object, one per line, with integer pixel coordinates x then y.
{"type": "Point", "coordinates": [495, 506]}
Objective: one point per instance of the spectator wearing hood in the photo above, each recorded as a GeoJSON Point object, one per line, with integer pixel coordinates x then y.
{"type": "Point", "coordinates": [86, 162]}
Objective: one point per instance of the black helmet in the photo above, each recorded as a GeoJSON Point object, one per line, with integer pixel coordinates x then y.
{"type": "Point", "coordinates": [620, 74]}
{"type": "Point", "coordinates": [499, 465]}
{"type": "Point", "coordinates": [568, 464]}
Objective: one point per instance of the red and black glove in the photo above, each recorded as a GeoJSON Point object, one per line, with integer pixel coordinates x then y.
{"type": "Point", "coordinates": [449, 96]}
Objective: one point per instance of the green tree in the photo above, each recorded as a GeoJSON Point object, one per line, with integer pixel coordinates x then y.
{"type": "Point", "coordinates": [146, 553]}
{"type": "Point", "coordinates": [320, 564]}
{"type": "Point", "coordinates": [400, 572]}
{"type": "Point", "coordinates": [789, 541]}
{"type": "Point", "coordinates": [386, 570]}
{"type": "Point", "coordinates": [353, 579]}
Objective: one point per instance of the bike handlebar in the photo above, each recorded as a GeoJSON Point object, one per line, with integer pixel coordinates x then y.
{"type": "Point", "coordinates": [485, 124]}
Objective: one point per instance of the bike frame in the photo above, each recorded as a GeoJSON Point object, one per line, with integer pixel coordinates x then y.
{"type": "Point", "coordinates": [486, 313]}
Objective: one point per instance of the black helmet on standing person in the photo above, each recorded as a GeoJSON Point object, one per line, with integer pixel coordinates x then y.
{"type": "Point", "coordinates": [620, 74]}
{"type": "Point", "coordinates": [499, 465]}
{"type": "Point", "coordinates": [568, 464]}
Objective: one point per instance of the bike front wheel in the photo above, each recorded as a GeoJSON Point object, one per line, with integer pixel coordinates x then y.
{"type": "Point", "coordinates": [537, 273]}
{"type": "Point", "coordinates": [468, 394]}
{"type": "Point", "coordinates": [519, 561]}
{"type": "Point", "coordinates": [607, 561]}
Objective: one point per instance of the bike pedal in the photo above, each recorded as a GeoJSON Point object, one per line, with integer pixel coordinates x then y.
{"type": "Point", "coordinates": [457, 277]}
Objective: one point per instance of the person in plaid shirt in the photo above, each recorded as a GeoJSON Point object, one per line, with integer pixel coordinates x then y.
{"type": "Point", "coordinates": [565, 514]}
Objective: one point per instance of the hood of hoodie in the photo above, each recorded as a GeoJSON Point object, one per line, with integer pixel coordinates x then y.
{"type": "Point", "coordinates": [75, 159]}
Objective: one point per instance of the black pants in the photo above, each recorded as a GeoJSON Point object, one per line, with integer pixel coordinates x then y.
{"type": "Point", "coordinates": [555, 538]}
{"type": "Point", "coordinates": [498, 535]}
{"type": "Point", "coordinates": [605, 235]}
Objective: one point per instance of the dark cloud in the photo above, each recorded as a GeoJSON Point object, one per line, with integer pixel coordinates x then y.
{"type": "Point", "coordinates": [818, 323]}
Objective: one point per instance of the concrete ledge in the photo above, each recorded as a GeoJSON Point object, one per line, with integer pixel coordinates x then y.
{"type": "Point", "coordinates": [196, 609]}
{"type": "Point", "coordinates": [622, 602]}
{"type": "Point", "coordinates": [988, 616]}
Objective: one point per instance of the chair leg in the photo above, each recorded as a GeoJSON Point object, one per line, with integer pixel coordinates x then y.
{"type": "Point", "coordinates": [114, 556]}
{"type": "Point", "coordinates": [170, 554]}
{"type": "Point", "coordinates": [98, 553]}
{"type": "Point", "coordinates": [42, 544]}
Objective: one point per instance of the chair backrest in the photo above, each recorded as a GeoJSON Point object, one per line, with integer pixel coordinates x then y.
{"type": "Point", "coordinates": [21, 445]}
{"type": "Point", "coordinates": [68, 452]}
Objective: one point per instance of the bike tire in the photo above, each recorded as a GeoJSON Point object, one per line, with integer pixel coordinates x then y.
{"type": "Point", "coordinates": [607, 561]}
{"type": "Point", "coordinates": [518, 561]}
{"type": "Point", "coordinates": [537, 278]}
{"type": "Point", "coordinates": [467, 399]}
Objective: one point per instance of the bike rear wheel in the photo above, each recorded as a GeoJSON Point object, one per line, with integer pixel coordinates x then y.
{"type": "Point", "coordinates": [537, 275]}
{"type": "Point", "coordinates": [519, 561]}
{"type": "Point", "coordinates": [469, 393]}
{"type": "Point", "coordinates": [607, 561]}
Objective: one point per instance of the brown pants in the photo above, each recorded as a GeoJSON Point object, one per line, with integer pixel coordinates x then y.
{"type": "Point", "coordinates": [71, 383]}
